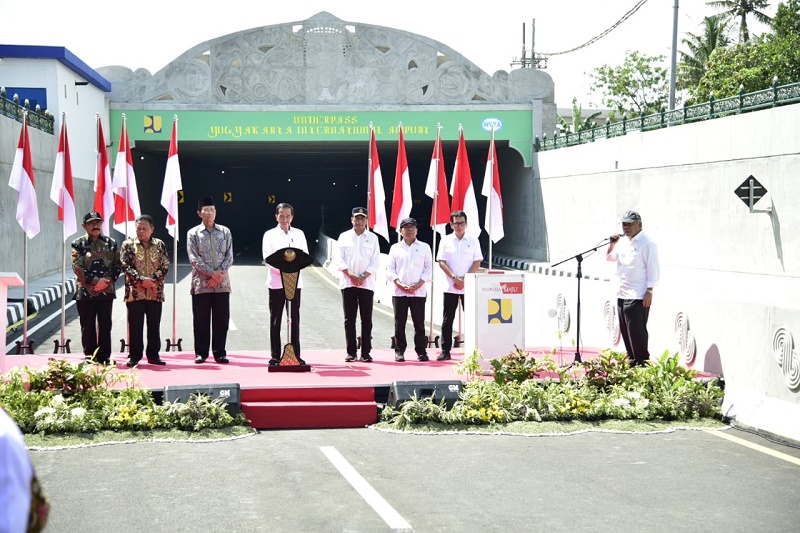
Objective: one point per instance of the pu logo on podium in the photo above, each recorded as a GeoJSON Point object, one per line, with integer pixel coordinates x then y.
{"type": "Point", "coordinates": [500, 311]}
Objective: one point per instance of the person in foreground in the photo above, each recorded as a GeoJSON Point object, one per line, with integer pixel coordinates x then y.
{"type": "Point", "coordinates": [282, 236]}
{"type": "Point", "coordinates": [359, 259]}
{"type": "Point", "coordinates": [210, 249]}
{"type": "Point", "coordinates": [95, 261]}
{"type": "Point", "coordinates": [410, 267]}
{"type": "Point", "coordinates": [459, 254]}
{"type": "Point", "coordinates": [638, 272]}
{"type": "Point", "coordinates": [145, 262]}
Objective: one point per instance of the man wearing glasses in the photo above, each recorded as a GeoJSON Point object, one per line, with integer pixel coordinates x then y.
{"type": "Point", "coordinates": [210, 249]}
{"type": "Point", "coordinates": [459, 254]}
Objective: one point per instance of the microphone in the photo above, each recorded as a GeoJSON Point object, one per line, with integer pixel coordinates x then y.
{"type": "Point", "coordinates": [615, 238]}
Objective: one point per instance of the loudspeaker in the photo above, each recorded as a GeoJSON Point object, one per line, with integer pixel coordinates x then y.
{"type": "Point", "coordinates": [402, 391]}
{"type": "Point", "coordinates": [230, 392]}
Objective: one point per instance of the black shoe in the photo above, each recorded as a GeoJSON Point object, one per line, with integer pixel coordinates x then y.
{"type": "Point", "coordinates": [223, 360]}
{"type": "Point", "coordinates": [130, 363]}
{"type": "Point", "coordinates": [422, 357]}
{"type": "Point", "coordinates": [156, 361]}
{"type": "Point", "coordinates": [350, 358]}
{"type": "Point", "coordinates": [301, 361]}
{"type": "Point", "coordinates": [398, 356]}
{"type": "Point", "coordinates": [200, 359]}
{"type": "Point", "coordinates": [444, 356]}
{"type": "Point", "coordinates": [366, 358]}
{"type": "Point", "coordinates": [275, 361]}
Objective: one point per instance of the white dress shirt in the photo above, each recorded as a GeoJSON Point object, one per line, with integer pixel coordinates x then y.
{"type": "Point", "coordinates": [410, 264]}
{"type": "Point", "coordinates": [637, 266]}
{"type": "Point", "coordinates": [16, 473]}
{"type": "Point", "coordinates": [276, 239]}
{"type": "Point", "coordinates": [360, 254]}
{"type": "Point", "coordinates": [459, 254]}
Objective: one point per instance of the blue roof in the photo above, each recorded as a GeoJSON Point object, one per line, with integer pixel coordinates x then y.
{"type": "Point", "coordinates": [61, 54]}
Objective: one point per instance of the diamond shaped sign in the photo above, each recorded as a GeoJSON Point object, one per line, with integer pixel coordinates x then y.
{"type": "Point", "coordinates": [743, 191]}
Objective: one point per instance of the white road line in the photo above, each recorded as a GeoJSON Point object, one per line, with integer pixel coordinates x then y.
{"type": "Point", "coordinates": [370, 495]}
{"type": "Point", "coordinates": [757, 447]}
{"type": "Point", "coordinates": [37, 327]}
{"type": "Point", "coordinates": [231, 325]}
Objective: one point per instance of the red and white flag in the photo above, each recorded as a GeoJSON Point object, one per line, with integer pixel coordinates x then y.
{"type": "Point", "coordinates": [494, 200]}
{"type": "Point", "coordinates": [62, 191]}
{"type": "Point", "coordinates": [126, 195]}
{"type": "Point", "coordinates": [172, 184]}
{"type": "Point", "coordinates": [377, 196]}
{"type": "Point", "coordinates": [401, 198]}
{"type": "Point", "coordinates": [436, 188]}
{"type": "Point", "coordinates": [22, 181]}
{"type": "Point", "coordinates": [103, 188]}
{"type": "Point", "coordinates": [462, 191]}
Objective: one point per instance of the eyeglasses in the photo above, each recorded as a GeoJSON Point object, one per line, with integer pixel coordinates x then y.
{"type": "Point", "coordinates": [458, 223]}
{"type": "Point", "coordinates": [208, 210]}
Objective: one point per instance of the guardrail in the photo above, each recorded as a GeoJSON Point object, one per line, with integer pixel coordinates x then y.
{"type": "Point", "coordinates": [775, 96]}
{"type": "Point", "coordinates": [41, 120]}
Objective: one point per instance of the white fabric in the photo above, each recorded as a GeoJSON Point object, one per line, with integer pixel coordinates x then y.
{"type": "Point", "coordinates": [358, 254]}
{"type": "Point", "coordinates": [410, 264]}
{"type": "Point", "coordinates": [16, 474]}
{"type": "Point", "coordinates": [637, 266]}
{"type": "Point", "coordinates": [276, 239]}
{"type": "Point", "coordinates": [459, 254]}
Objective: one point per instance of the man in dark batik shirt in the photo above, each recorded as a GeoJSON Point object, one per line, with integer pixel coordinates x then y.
{"type": "Point", "coordinates": [95, 261]}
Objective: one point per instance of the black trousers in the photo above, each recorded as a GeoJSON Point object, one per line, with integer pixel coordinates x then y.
{"type": "Point", "coordinates": [213, 307]}
{"type": "Point", "coordinates": [401, 305]}
{"type": "Point", "coordinates": [95, 317]}
{"type": "Point", "coordinates": [277, 300]}
{"type": "Point", "coordinates": [137, 312]}
{"type": "Point", "coordinates": [633, 329]}
{"type": "Point", "coordinates": [355, 300]}
{"type": "Point", "coordinates": [449, 310]}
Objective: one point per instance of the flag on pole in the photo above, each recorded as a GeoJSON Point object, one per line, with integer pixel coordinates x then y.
{"type": "Point", "coordinates": [126, 195]}
{"type": "Point", "coordinates": [22, 181]}
{"type": "Point", "coordinates": [436, 188]}
{"type": "Point", "coordinates": [461, 188]}
{"type": "Point", "coordinates": [494, 200]}
{"type": "Point", "coordinates": [103, 195]}
{"type": "Point", "coordinates": [62, 191]}
{"type": "Point", "coordinates": [401, 198]}
{"type": "Point", "coordinates": [172, 183]}
{"type": "Point", "coordinates": [377, 196]}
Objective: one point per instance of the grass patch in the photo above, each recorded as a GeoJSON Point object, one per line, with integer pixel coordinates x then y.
{"type": "Point", "coordinates": [559, 427]}
{"type": "Point", "coordinates": [36, 440]}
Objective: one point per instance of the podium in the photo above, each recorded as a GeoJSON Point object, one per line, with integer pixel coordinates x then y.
{"type": "Point", "coordinates": [7, 279]}
{"type": "Point", "coordinates": [494, 312]}
{"type": "Point", "coordinates": [290, 261]}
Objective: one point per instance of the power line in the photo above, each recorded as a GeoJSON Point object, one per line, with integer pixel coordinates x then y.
{"type": "Point", "coordinates": [614, 26]}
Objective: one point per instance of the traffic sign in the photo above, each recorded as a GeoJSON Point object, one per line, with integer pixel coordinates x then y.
{"type": "Point", "coordinates": [750, 188]}
{"type": "Point", "coordinates": [227, 197]}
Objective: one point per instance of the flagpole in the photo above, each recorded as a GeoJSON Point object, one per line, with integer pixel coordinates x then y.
{"type": "Point", "coordinates": [435, 212]}
{"type": "Point", "coordinates": [25, 348]}
{"type": "Point", "coordinates": [489, 203]}
{"type": "Point", "coordinates": [175, 259]}
{"type": "Point", "coordinates": [369, 168]}
{"type": "Point", "coordinates": [127, 174]}
{"type": "Point", "coordinates": [63, 265]}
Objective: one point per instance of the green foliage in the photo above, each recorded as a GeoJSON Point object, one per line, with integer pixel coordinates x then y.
{"type": "Point", "coordinates": [637, 87]}
{"type": "Point", "coordinates": [692, 64]}
{"type": "Point", "coordinates": [470, 365]}
{"type": "Point", "coordinates": [83, 398]}
{"type": "Point", "coordinates": [579, 123]}
{"type": "Point", "coordinates": [741, 9]}
{"type": "Point", "coordinates": [603, 388]}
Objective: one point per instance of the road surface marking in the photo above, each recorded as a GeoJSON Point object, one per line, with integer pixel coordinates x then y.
{"type": "Point", "coordinates": [757, 447]}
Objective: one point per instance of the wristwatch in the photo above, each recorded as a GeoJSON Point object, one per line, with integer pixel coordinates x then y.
{"type": "Point", "coordinates": [453, 276]}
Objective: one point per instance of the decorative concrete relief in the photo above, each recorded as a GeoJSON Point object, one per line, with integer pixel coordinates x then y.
{"type": "Point", "coordinates": [325, 61]}
{"type": "Point", "coordinates": [612, 322]}
{"type": "Point", "coordinates": [563, 314]}
{"type": "Point", "coordinates": [688, 347]}
{"type": "Point", "coordinates": [783, 349]}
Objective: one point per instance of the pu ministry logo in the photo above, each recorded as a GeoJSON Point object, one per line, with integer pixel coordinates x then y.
{"type": "Point", "coordinates": [501, 311]}
{"type": "Point", "coordinates": [152, 123]}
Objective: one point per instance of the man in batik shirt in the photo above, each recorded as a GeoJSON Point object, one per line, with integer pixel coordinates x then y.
{"type": "Point", "coordinates": [145, 262]}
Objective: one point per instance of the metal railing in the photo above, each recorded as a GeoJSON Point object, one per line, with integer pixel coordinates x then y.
{"type": "Point", "coordinates": [41, 120]}
{"type": "Point", "coordinates": [775, 96]}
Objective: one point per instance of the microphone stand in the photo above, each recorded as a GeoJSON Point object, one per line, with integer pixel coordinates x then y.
{"type": "Point", "coordinates": [579, 259]}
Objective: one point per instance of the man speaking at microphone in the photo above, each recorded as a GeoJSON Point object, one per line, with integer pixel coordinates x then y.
{"type": "Point", "coordinates": [638, 272]}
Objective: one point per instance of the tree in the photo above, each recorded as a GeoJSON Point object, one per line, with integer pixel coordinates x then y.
{"type": "Point", "coordinates": [578, 122]}
{"type": "Point", "coordinates": [637, 87]}
{"type": "Point", "coordinates": [693, 63]}
{"type": "Point", "coordinates": [741, 9]}
{"type": "Point", "coordinates": [786, 23]}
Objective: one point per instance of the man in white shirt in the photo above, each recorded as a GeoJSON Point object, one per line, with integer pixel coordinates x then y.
{"type": "Point", "coordinates": [638, 271]}
{"type": "Point", "coordinates": [279, 237]}
{"type": "Point", "coordinates": [410, 267]}
{"type": "Point", "coordinates": [359, 259]}
{"type": "Point", "coordinates": [16, 473]}
{"type": "Point", "coordinates": [459, 254]}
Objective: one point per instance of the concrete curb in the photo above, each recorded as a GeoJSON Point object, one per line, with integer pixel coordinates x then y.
{"type": "Point", "coordinates": [536, 268]}
{"type": "Point", "coordinates": [37, 300]}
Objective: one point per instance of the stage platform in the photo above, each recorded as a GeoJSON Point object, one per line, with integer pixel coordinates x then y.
{"type": "Point", "coordinates": [333, 394]}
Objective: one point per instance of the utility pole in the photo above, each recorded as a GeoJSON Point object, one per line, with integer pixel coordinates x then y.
{"type": "Point", "coordinates": [534, 61]}
{"type": "Point", "coordinates": [674, 63]}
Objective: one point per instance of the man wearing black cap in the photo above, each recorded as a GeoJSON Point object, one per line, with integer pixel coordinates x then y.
{"type": "Point", "coordinates": [410, 265]}
{"type": "Point", "coordinates": [210, 249]}
{"type": "Point", "coordinates": [359, 259]}
{"type": "Point", "coordinates": [95, 261]}
{"type": "Point", "coordinates": [638, 272]}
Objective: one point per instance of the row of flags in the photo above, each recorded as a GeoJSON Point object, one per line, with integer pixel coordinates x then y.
{"type": "Point", "coordinates": [118, 197]}
{"type": "Point", "coordinates": [461, 190]}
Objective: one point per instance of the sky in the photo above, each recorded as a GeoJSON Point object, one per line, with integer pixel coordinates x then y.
{"type": "Point", "coordinates": [151, 33]}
